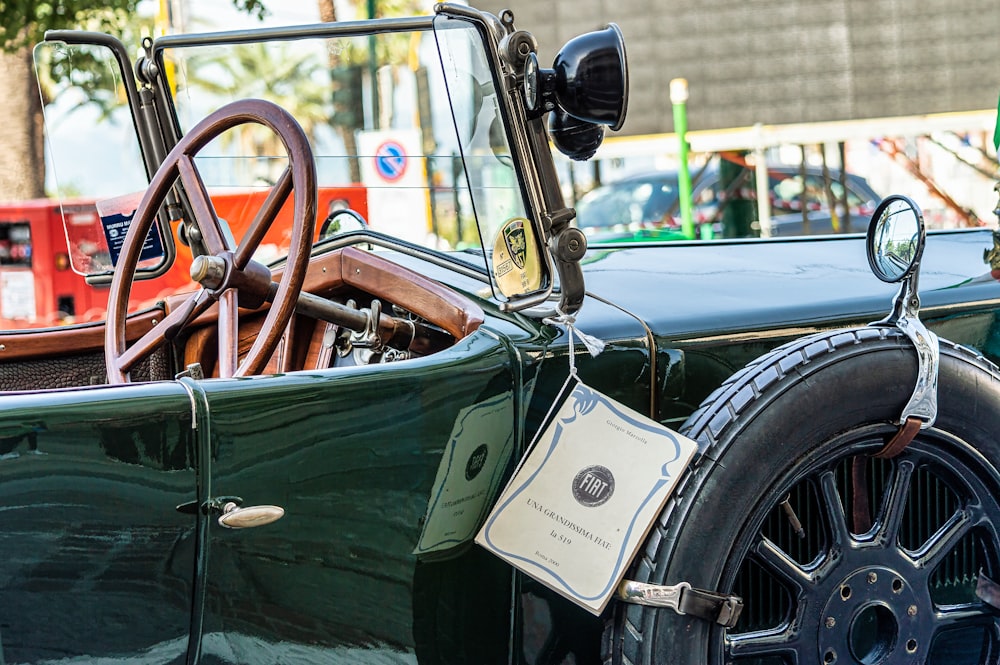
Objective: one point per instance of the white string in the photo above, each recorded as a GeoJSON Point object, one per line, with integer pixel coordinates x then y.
{"type": "Point", "coordinates": [594, 345]}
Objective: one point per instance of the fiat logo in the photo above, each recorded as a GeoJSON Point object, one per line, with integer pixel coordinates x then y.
{"type": "Point", "coordinates": [593, 486]}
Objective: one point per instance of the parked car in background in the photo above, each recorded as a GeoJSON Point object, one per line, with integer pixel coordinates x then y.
{"type": "Point", "coordinates": [645, 206]}
{"type": "Point", "coordinates": [291, 462]}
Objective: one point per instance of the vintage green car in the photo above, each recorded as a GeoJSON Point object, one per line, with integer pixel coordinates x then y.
{"type": "Point", "coordinates": [290, 462]}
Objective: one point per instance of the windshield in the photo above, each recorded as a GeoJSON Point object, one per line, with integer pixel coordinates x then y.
{"type": "Point", "coordinates": [404, 125]}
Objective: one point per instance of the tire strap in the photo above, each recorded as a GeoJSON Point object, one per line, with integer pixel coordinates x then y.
{"type": "Point", "coordinates": [902, 438]}
{"type": "Point", "coordinates": [684, 599]}
{"type": "Point", "coordinates": [861, 514]}
{"type": "Point", "coordinates": [988, 591]}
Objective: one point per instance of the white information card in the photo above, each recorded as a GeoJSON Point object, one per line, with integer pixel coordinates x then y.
{"type": "Point", "coordinates": [585, 495]}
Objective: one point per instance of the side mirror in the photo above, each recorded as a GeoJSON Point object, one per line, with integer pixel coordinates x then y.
{"type": "Point", "coordinates": [896, 238]}
{"type": "Point", "coordinates": [341, 220]}
{"type": "Point", "coordinates": [587, 86]}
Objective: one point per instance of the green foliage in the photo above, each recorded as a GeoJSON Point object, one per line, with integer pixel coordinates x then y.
{"type": "Point", "coordinates": [253, 8]}
{"type": "Point", "coordinates": [24, 22]}
{"type": "Point", "coordinates": [276, 72]}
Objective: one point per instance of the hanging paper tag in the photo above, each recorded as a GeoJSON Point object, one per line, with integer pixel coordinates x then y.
{"type": "Point", "coordinates": [586, 494]}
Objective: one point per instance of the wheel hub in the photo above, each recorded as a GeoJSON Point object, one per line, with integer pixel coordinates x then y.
{"type": "Point", "coordinates": [870, 616]}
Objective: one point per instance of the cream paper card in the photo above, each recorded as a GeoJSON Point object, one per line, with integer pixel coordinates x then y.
{"type": "Point", "coordinates": [585, 496]}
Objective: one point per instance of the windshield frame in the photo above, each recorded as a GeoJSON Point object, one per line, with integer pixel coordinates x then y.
{"type": "Point", "coordinates": [526, 133]}
{"type": "Point", "coordinates": [153, 66]}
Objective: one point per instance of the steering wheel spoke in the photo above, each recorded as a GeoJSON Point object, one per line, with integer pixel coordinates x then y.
{"type": "Point", "coordinates": [265, 216]}
{"type": "Point", "coordinates": [297, 181]}
{"type": "Point", "coordinates": [167, 329]}
{"type": "Point", "coordinates": [228, 333]}
{"type": "Point", "coordinates": [201, 204]}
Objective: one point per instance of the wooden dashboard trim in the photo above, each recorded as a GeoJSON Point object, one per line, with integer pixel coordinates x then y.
{"type": "Point", "coordinates": [426, 298]}
{"type": "Point", "coordinates": [350, 267]}
{"type": "Point", "coordinates": [369, 272]}
{"type": "Point", "coordinates": [70, 340]}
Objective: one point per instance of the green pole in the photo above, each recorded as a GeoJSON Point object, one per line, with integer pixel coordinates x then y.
{"type": "Point", "coordinates": [678, 98]}
{"type": "Point", "coordinates": [996, 132]}
{"type": "Point", "coordinates": [373, 70]}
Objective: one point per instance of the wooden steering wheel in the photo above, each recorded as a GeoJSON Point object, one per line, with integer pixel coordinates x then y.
{"type": "Point", "coordinates": [226, 273]}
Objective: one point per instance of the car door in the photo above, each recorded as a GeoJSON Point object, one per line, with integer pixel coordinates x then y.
{"type": "Point", "coordinates": [96, 562]}
{"type": "Point", "coordinates": [384, 473]}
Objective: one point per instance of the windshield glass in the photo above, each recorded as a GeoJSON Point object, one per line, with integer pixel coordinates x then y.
{"type": "Point", "coordinates": [95, 170]}
{"type": "Point", "coordinates": [630, 202]}
{"type": "Point", "coordinates": [404, 127]}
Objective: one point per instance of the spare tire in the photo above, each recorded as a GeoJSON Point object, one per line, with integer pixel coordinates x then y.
{"type": "Point", "coordinates": [791, 425]}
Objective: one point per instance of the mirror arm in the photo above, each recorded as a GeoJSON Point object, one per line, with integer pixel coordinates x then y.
{"type": "Point", "coordinates": [567, 244]}
{"type": "Point", "coordinates": [568, 247]}
{"type": "Point", "coordinates": [906, 303]}
{"type": "Point", "coordinates": [905, 317]}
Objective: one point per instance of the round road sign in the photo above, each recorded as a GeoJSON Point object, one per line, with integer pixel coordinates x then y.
{"type": "Point", "coordinates": [390, 161]}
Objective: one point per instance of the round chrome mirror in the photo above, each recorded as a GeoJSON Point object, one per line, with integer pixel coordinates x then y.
{"type": "Point", "coordinates": [895, 238]}
{"type": "Point", "coordinates": [341, 220]}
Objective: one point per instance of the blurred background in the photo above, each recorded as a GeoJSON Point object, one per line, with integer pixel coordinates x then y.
{"type": "Point", "coordinates": [900, 92]}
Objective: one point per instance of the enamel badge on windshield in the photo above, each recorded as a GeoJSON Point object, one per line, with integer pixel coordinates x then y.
{"type": "Point", "coordinates": [516, 266]}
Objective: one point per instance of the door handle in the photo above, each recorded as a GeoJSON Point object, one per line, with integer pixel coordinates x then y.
{"type": "Point", "coordinates": [235, 516]}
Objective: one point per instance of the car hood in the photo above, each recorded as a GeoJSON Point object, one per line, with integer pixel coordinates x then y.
{"type": "Point", "coordinates": [683, 290]}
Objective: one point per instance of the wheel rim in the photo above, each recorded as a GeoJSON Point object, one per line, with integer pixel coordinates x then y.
{"type": "Point", "coordinates": [903, 591]}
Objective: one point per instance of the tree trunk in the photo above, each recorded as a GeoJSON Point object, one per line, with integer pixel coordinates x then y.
{"type": "Point", "coordinates": [22, 161]}
{"type": "Point", "coordinates": [328, 14]}
{"type": "Point", "coordinates": [327, 11]}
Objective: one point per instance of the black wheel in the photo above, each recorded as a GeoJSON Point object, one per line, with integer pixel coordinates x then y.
{"type": "Point", "coordinates": [894, 583]}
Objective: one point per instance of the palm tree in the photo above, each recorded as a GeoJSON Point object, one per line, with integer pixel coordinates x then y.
{"type": "Point", "coordinates": [22, 162]}
{"type": "Point", "coordinates": [276, 72]}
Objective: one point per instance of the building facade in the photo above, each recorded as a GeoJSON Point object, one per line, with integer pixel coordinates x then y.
{"type": "Point", "coordinates": [786, 61]}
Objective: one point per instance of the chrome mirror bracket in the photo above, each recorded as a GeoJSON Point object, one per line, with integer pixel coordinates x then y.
{"type": "Point", "coordinates": [906, 318]}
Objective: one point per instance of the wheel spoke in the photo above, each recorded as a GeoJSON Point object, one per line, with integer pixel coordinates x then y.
{"type": "Point", "coordinates": [166, 329]}
{"type": "Point", "coordinates": [861, 516]}
{"type": "Point", "coordinates": [833, 508]}
{"type": "Point", "coordinates": [894, 503]}
{"type": "Point", "coordinates": [777, 562]}
{"type": "Point", "coordinates": [944, 540]}
{"type": "Point", "coordinates": [956, 616]}
{"type": "Point", "coordinates": [780, 641]}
